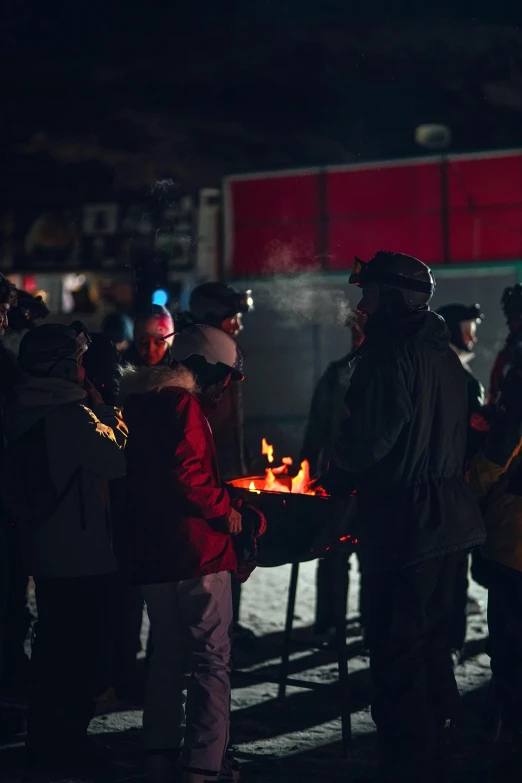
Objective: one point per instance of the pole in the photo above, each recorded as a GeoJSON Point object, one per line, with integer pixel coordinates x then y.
{"type": "Point", "coordinates": [322, 204]}
{"type": "Point", "coordinates": [444, 209]}
{"type": "Point", "coordinates": [339, 567]}
{"type": "Point", "coordinates": [290, 610]}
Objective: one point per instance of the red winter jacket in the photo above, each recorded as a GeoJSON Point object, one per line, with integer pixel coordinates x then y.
{"type": "Point", "coordinates": [176, 504]}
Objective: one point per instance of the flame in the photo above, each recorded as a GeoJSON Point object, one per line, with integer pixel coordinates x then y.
{"type": "Point", "coordinates": [301, 481]}
{"type": "Point", "coordinates": [272, 485]}
{"type": "Point", "coordinates": [267, 449]}
{"type": "Point", "coordinates": [252, 488]}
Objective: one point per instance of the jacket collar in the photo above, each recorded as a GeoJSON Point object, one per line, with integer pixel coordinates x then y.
{"type": "Point", "coordinates": [141, 380]}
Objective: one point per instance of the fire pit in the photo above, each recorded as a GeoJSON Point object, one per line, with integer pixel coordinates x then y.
{"type": "Point", "coordinates": [300, 523]}
{"type": "Point", "coordinates": [303, 525]}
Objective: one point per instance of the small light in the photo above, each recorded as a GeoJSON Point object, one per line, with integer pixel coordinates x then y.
{"type": "Point", "coordinates": [160, 297]}
{"type": "Point", "coordinates": [250, 301]}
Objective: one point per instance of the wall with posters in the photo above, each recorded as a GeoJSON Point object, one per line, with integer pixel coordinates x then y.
{"type": "Point", "coordinates": [102, 236]}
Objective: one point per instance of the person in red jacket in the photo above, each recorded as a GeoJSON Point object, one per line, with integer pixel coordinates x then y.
{"type": "Point", "coordinates": [181, 521]}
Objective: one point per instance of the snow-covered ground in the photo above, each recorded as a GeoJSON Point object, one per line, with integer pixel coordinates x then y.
{"type": "Point", "coordinates": [298, 740]}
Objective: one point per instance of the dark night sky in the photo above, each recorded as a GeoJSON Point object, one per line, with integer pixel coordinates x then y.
{"type": "Point", "coordinates": [101, 98]}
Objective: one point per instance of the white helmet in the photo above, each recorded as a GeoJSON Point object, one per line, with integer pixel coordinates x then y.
{"type": "Point", "coordinates": [213, 345]}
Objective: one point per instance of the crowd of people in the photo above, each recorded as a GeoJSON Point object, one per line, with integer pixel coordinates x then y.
{"type": "Point", "coordinates": [116, 452]}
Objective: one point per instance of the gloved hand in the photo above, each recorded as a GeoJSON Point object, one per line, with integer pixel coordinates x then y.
{"type": "Point", "coordinates": [238, 495]}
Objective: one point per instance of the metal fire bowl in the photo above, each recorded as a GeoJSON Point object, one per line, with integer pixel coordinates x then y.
{"type": "Point", "coordinates": [299, 527]}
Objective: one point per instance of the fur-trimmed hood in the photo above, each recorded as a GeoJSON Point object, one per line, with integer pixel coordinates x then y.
{"type": "Point", "coordinates": [140, 380]}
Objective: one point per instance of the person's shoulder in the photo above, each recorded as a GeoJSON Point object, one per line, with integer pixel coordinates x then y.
{"type": "Point", "coordinates": [180, 401]}
{"type": "Point", "coordinates": [340, 364]}
{"type": "Point", "coordinates": [176, 394]}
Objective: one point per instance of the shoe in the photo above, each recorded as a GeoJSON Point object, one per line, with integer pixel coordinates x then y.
{"type": "Point", "coordinates": [231, 769]}
{"type": "Point", "coordinates": [163, 766]}
{"type": "Point", "coordinates": [243, 638]}
{"type": "Point", "coordinates": [445, 742]}
{"type": "Point", "coordinates": [68, 758]}
{"type": "Point", "coordinates": [108, 702]}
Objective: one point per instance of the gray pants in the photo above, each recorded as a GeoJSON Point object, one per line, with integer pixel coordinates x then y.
{"type": "Point", "coordinates": [187, 701]}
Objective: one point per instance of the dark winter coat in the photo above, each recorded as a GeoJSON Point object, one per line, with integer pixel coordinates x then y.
{"type": "Point", "coordinates": [75, 541]}
{"type": "Point", "coordinates": [327, 410]}
{"type": "Point", "coordinates": [403, 444]}
{"type": "Point", "coordinates": [227, 423]}
{"type": "Point", "coordinates": [177, 505]}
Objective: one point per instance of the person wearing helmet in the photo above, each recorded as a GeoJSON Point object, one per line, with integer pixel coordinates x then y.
{"type": "Point", "coordinates": [402, 447]}
{"type": "Point", "coordinates": [220, 305]}
{"type": "Point", "coordinates": [63, 446]}
{"type": "Point", "coordinates": [510, 357]}
{"type": "Point", "coordinates": [153, 338]}
{"type": "Point", "coordinates": [26, 314]}
{"type": "Point", "coordinates": [102, 367]}
{"type": "Point", "coordinates": [118, 328]}
{"type": "Point", "coordinates": [496, 478]}
{"type": "Point", "coordinates": [462, 321]}
{"type": "Point", "coordinates": [23, 316]}
{"type": "Point", "coordinates": [322, 428]}
{"type": "Point", "coordinates": [182, 521]}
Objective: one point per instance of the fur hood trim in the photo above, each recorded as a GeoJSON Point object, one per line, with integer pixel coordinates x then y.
{"type": "Point", "coordinates": [140, 380]}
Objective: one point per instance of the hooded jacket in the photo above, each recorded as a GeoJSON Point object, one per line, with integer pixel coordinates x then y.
{"type": "Point", "coordinates": [177, 505]}
{"type": "Point", "coordinates": [403, 443]}
{"type": "Point", "coordinates": [76, 540]}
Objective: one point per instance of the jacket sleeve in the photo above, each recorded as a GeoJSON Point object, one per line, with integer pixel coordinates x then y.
{"type": "Point", "coordinates": [497, 373]}
{"type": "Point", "coordinates": [195, 483]}
{"type": "Point", "coordinates": [97, 448]}
{"type": "Point", "coordinates": [504, 441]}
{"type": "Point", "coordinates": [378, 407]}
{"type": "Point", "coordinates": [476, 394]}
{"type": "Point", "coordinates": [317, 432]}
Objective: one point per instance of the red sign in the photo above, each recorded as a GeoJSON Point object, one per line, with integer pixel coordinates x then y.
{"type": "Point", "coordinates": [322, 218]}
